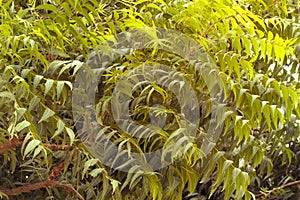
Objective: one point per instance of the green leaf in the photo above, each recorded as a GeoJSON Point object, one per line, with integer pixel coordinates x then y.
{"type": "Point", "coordinates": [235, 173]}
{"type": "Point", "coordinates": [53, 66]}
{"type": "Point", "coordinates": [96, 172]}
{"type": "Point", "coordinates": [89, 164]}
{"type": "Point", "coordinates": [7, 95]}
{"type": "Point", "coordinates": [47, 114]}
{"type": "Point", "coordinates": [59, 88]}
{"type": "Point", "coordinates": [263, 48]}
{"type": "Point", "coordinates": [33, 102]}
{"type": "Point", "coordinates": [226, 164]}
{"type": "Point", "coordinates": [20, 113]}
{"type": "Point", "coordinates": [49, 7]}
{"type": "Point", "coordinates": [37, 151]}
{"type": "Point", "coordinates": [48, 85]}
{"type": "Point", "coordinates": [68, 83]}
{"type": "Point", "coordinates": [270, 35]}
{"type": "Point", "coordinates": [31, 145]}
{"type": "Point", "coordinates": [60, 127]}
{"type": "Point", "coordinates": [135, 179]}
{"type": "Point", "coordinates": [114, 184]}
{"type": "Point", "coordinates": [20, 126]}
{"type": "Point", "coordinates": [71, 135]}
{"type": "Point", "coordinates": [37, 79]}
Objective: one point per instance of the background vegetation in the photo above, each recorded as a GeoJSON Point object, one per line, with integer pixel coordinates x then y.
{"type": "Point", "coordinates": [255, 46]}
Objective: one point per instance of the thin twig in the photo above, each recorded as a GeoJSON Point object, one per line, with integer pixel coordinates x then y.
{"type": "Point", "coordinates": [278, 188]}
{"type": "Point", "coordinates": [213, 25]}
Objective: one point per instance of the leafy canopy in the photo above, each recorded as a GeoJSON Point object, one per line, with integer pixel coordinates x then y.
{"type": "Point", "coordinates": [255, 46]}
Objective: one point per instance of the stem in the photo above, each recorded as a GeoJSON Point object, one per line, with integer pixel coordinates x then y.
{"type": "Point", "coordinates": [279, 188]}
{"type": "Point", "coordinates": [213, 25]}
{"type": "Point", "coordinates": [17, 142]}
{"type": "Point", "coordinates": [10, 145]}
{"type": "Point", "coordinates": [47, 183]}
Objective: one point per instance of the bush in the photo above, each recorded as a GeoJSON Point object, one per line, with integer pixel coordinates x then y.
{"type": "Point", "coordinates": [245, 144]}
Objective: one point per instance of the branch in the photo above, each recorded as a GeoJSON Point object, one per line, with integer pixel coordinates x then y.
{"type": "Point", "coordinates": [13, 143]}
{"type": "Point", "coordinates": [10, 145]}
{"type": "Point", "coordinates": [57, 147]}
{"type": "Point", "coordinates": [213, 25]}
{"type": "Point", "coordinates": [278, 188]}
{"type": "Point", "coordinates": [55, 171]}
{"type": "Point", "coordinates": [26, 188]}
{"type": "Point", "coordinates": [68, 188]}
{"type": "Point", "coordinates": [47, 183]}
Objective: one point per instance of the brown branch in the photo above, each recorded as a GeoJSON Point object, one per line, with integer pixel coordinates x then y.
{"type": "Point", "coordinates": [278, 188]}
{"type": "Point", "coordinates": [13, 143]}
{"type": "Point", "coordinates": [290, 184]}
{"type": "Point", "coordinates": [47, 183]}
{"type": "Point", "coordinates": [10, 145]}
{"type": "Point", "coordinates": [68, 188]}
{"type": "Point", "coordinates": [57, 147]}
{"type": "Point", "coordinates": [55, 171]}
{"type": "Point", "coordinates": [26, 188]}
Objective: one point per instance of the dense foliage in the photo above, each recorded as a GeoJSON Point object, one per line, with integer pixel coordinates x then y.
{"type": "Point", "coordinates": [255, 48]}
